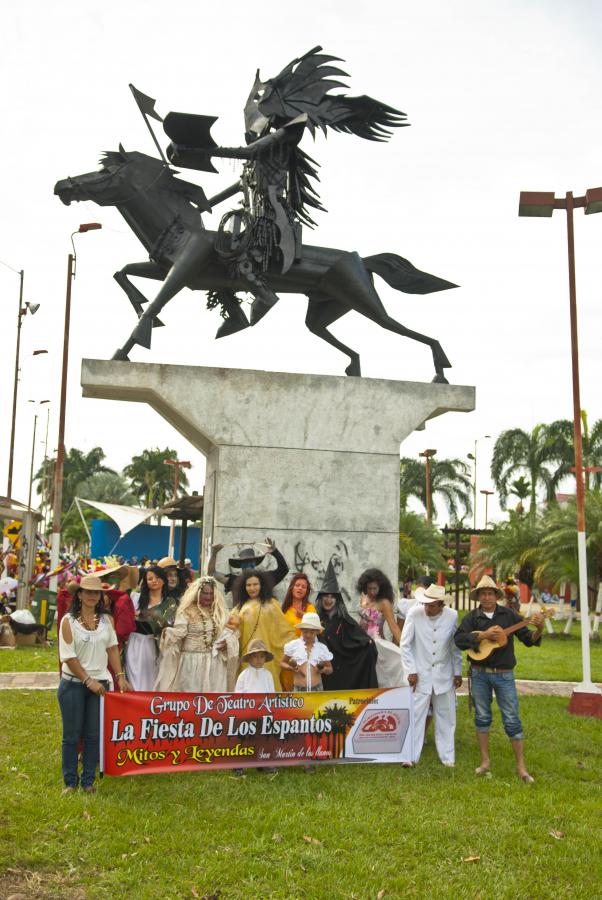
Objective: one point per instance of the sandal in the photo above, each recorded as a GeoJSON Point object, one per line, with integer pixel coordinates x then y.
{"type": "Point", "coordinates": [527, 779]}
{"type": "Point", "coordinates": [482, 770]}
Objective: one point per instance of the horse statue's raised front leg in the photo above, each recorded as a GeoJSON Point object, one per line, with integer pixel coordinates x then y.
{"type": "Point", "coordinates": [192, 258]}
{"type": "Point", "coordinates": [145, 269]}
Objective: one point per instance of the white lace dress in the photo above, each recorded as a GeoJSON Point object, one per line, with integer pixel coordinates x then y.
{"type": "Point", "coordinates": [190, 661]}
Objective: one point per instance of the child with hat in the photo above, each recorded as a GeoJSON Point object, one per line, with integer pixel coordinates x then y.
{"type": "Point", "coordinates": [306, 657]}
{"type": "Point", "coordinates": [256, 679]}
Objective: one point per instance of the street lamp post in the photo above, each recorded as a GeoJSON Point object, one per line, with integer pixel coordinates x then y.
{"type": "Point", "coordinates": [473, 457]}
{"type": "Point", "coordinates": [177, 464]}
{"type": "Point", "coordinates": [488, 494]}
{"type": "Point", "coordinates": [24, 308]}
{"type": "Point", "coordinates": [55, 541]}
{"type": "Point", "coordinates": [586, 698]}
{"type": "Point", "coordinates": [33, 447]}
{"type": "Point", "coordinates": [428, 454]}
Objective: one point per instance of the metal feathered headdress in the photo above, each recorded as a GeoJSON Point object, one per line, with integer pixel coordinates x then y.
{"type": "Point", "coordinates": [304, 86]}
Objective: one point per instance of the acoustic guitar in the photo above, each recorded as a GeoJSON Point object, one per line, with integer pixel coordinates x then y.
{"type": "Point", "coordinates": [486, 647]}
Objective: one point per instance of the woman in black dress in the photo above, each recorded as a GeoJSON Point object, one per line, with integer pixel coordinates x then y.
{"type": "Point", "coordinates": [354, 652]}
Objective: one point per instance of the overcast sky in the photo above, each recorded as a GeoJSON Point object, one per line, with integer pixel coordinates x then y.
{"type": "Point", "coordinates": [501, 97]}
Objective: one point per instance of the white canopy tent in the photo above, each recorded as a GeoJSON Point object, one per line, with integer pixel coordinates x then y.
{"type": "Point", "coordinates": [125, 517]}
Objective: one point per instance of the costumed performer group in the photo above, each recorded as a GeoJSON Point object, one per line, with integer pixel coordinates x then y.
{"type": "Point", "coordinates": [187, 640]}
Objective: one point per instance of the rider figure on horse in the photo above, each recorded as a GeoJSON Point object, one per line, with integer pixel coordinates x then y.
{"type": "Point", "coordinates": [263, 235]}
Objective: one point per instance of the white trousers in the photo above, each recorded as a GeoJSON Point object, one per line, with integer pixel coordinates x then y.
{"type": "Point", "coordinates": [444, 711]}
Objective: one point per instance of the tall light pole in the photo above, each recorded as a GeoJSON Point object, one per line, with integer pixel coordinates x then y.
{"type": "Point", "coordinates": [473, 456]}
{"type": "Point", "coordinates": [55, 541]}
{"type": "Point", "coordinates": [488, 494]}
{"type": "Point", "coordinates": [428, 454]}
{"type": "Point", "coordinates": [33, 446]}
{"type": "Point", "coordinates": [177, 464]}
{"type": "Point", "coordinates": [586, 698]}
{"type": "Point", "coordinates": [24, 308]}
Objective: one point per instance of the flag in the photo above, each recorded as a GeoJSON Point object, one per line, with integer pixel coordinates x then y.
{"type": "Point", "coordinates": [146, 104]}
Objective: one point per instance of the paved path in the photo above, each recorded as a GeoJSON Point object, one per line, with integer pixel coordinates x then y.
{"type": "Point", "coordinates": [48, 681]}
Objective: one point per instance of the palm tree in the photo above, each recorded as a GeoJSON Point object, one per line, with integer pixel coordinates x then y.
{"type": "Point", "coordinates": [77, 467]}
{"type": "Point", "coordinates": [539, 454]}
{"type": "Point", "coordinates": [521, 488]}
{"type": "Point", "coordinates": [151, 480]}
{"type": "Point", "coordinates": [449, 478]}
{"type": "Point", "coordinates": [514, 545]}
{"type": "Point", "coordinates": [563, 432]}
{"type": "Point", "coordinates": [558, 559]}
{"type": "Point", "coordinates": [107, 487]}
{"type": "Point", "coordinates": [420, 546]}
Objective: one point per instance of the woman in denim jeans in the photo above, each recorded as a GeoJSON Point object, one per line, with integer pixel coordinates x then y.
{"type": "Point", "coordinates": [87, 644]}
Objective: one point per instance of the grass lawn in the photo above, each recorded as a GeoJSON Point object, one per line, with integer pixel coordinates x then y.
{"type": "Point", "coordinates": [347, 832]}
{"type": "Point", "coordinates": [558, 659]}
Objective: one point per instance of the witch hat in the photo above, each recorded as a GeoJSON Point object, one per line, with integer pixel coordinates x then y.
{"type": "Point", "coordinates": [330, 585]}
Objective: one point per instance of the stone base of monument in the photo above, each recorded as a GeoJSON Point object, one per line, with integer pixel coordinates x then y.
{"type": "Point", "coordinates": [311, 461]}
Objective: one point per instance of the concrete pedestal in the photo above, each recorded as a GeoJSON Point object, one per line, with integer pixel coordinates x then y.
{"type": "Point", "coordinates": [309, 460]}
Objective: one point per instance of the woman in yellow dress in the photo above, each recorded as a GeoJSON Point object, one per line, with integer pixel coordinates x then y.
{"type": "Point", "coordinates": [296, 602]}
{"type": "Point", "coordinates": [259, 617]}
{"type": "Point", "coordinates": [294, 606]}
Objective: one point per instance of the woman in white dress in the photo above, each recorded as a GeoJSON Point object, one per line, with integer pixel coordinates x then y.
{"type": "Point", "coordinates": [200, 652]}
{"type": "Point", "coordinates": [154, 610]}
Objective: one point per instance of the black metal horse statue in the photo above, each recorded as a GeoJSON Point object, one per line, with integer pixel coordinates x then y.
{"type": "Point", "coordinates": [258, 247]}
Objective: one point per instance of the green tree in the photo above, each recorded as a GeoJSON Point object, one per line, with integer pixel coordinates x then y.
{"type": "Point", "coordinates": [151, 480]}
{"type": "Point", "coordinates": [563, 433]}
{"type": "Point", "coordinates": [449, 479]}
{"type": "Point", "coordinates": [558, 557]}
{"type": "Point", "coordinates": [107, 487]}
{"type": "Point", "coordinates": [538, 454]}
{"type": "Point", "coordinates": [521, 488]}
{"type": "Point", "coordinates": [513, 546]}
{"type": "Point", "coordinates": [77, 467]}
{"type": "Point", "coordinates": [420, 546]}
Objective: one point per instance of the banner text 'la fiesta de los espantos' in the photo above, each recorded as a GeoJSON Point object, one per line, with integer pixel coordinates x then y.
{"type": "Point", "coordinates": [147, 733]}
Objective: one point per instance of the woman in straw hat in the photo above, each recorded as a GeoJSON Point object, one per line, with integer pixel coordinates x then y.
{"type": "Point", "coordinates": [87, 645]}
{"type": "Point", "coordinates": [200, 651]}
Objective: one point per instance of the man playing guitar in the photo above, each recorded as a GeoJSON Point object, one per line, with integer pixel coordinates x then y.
{"type": "Point", "coordinates": [490, 621]}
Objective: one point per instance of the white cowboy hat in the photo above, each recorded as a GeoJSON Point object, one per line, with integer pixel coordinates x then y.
{"type": "Point", "coordinates": [433, 594]}
{"type": "Point", "coordinates": [311, 622]}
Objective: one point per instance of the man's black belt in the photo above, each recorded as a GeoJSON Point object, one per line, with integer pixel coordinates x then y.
{"type": "Point", "coordinates": [489, 669]}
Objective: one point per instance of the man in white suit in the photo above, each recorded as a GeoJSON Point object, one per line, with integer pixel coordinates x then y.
{"type": "Point", "coordinates": [433, 666]}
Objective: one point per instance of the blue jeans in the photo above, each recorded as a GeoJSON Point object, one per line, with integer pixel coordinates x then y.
{"type": "Point", "coordinates": [484, 684]}
{"type": "Point", "coordinates": [80, 712]}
